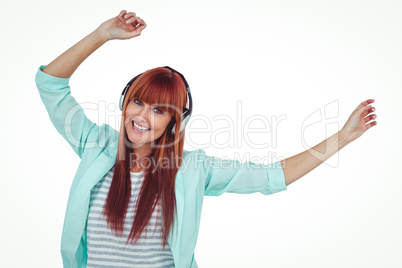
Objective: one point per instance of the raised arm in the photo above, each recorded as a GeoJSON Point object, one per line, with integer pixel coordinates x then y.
{"type": "Point", "coordinates": [299, 165]}
{"type": "Point", "coordinates": [124, 26]}
{"type": "Point", "coordinates": [52, 82]}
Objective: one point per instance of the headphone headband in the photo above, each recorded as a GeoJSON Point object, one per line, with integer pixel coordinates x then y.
{"type": "Point", "coordinates": [186, 113]}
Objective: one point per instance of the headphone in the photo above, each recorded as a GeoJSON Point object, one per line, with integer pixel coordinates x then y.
{"type": "Point", "coordinates": [186, 111]}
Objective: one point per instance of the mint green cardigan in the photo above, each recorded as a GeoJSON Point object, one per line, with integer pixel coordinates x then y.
{"type": "Point", "coordinates": [199, 175]}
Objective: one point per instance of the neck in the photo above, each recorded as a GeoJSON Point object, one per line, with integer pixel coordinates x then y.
{"type": "Point", "coordinates": [140, 159]}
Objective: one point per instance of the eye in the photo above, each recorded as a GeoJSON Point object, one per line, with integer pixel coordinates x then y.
{"type": "Point", "coordinates": [137, 101]}
{"type": "Point", "coordinates": [158, 111]}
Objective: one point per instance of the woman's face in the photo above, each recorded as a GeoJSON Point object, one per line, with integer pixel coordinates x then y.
{"type": "Point", "coordinates": [145, 123]}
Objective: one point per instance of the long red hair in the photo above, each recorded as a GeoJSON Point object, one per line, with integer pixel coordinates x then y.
{"type": "Point", "coordinates": [159, 85]}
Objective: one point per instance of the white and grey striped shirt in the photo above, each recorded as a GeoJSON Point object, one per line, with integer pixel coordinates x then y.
{"type": "Point", "coordinates": [107, 250]}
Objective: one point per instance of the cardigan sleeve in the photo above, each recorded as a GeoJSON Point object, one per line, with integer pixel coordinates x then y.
{"type": "Point", "coordinates": [67, 115]}
{"type": "Point", "coordinates": [231, 176]}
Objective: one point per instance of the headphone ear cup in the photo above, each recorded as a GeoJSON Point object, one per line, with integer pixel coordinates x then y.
{"type": "Point", "coordinates": [171, 126]}
{"type": "Point", "coordinates": [121, 102]}
{"type": "Point", "coordinates": [184, 121]}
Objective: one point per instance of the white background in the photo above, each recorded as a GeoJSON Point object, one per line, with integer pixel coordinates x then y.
{"type": "Point", "coordinates": [289, 58]}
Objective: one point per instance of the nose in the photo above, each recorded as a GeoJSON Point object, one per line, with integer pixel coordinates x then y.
{"type": "Point", "coordinates": [144, 114]}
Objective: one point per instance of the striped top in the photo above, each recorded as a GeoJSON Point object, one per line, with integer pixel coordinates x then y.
{"type": "Point", "coordinates": [107, 250]}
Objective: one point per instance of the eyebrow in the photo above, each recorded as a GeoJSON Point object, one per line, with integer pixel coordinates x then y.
{"type": "Point", "coordinates": [161, 106]}
{"type": "Point", "coordinates": [154, 104]}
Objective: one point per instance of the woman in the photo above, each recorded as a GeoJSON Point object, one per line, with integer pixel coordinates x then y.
{"type": "Point", "coordinates": [136, 198]}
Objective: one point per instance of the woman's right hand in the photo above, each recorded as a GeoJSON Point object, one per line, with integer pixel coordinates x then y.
{"type": "Point", "coordinates": [124, 26]}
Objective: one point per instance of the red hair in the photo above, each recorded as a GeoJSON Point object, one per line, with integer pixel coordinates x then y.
{"type": "Point", "coordinates": [162, 86]}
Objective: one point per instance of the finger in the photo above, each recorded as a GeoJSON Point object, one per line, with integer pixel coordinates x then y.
{"type": "Point", "coordinates": [369, 118]}
{"type": "Point", "coordinates": [141, 25]}
{"type": "Point", "coordinates": [129, 15]}
{"type": "Point", "coordinates": [371, 124]}
{"type": "Point", "coordinates": [121, 14]}
{"type": "Point", "coordinates": [133, 20]}
{"type": "Point", "coordinates": [362, 106]}
{"type": "Point", "coordinates": [363, 109]}
{"type": "Point", "coordinates": [365, 103]}
{"type": "Point", "coordinates": [138, 29]}
{"type": "Point", "coordinates": [140, 22]}
{"type": "Point", "coordinates": [368, 111]}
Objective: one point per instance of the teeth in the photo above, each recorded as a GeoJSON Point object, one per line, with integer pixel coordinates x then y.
{"type": "Point", "coordinates": [140, 128]}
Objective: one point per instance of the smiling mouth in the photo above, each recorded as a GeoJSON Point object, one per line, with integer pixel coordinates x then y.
{"type": "Point", "coordinates": [139, 128]}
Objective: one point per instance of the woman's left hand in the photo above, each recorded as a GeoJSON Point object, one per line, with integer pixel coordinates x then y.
{"type": "Point", "coordinates": [357, 122]}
